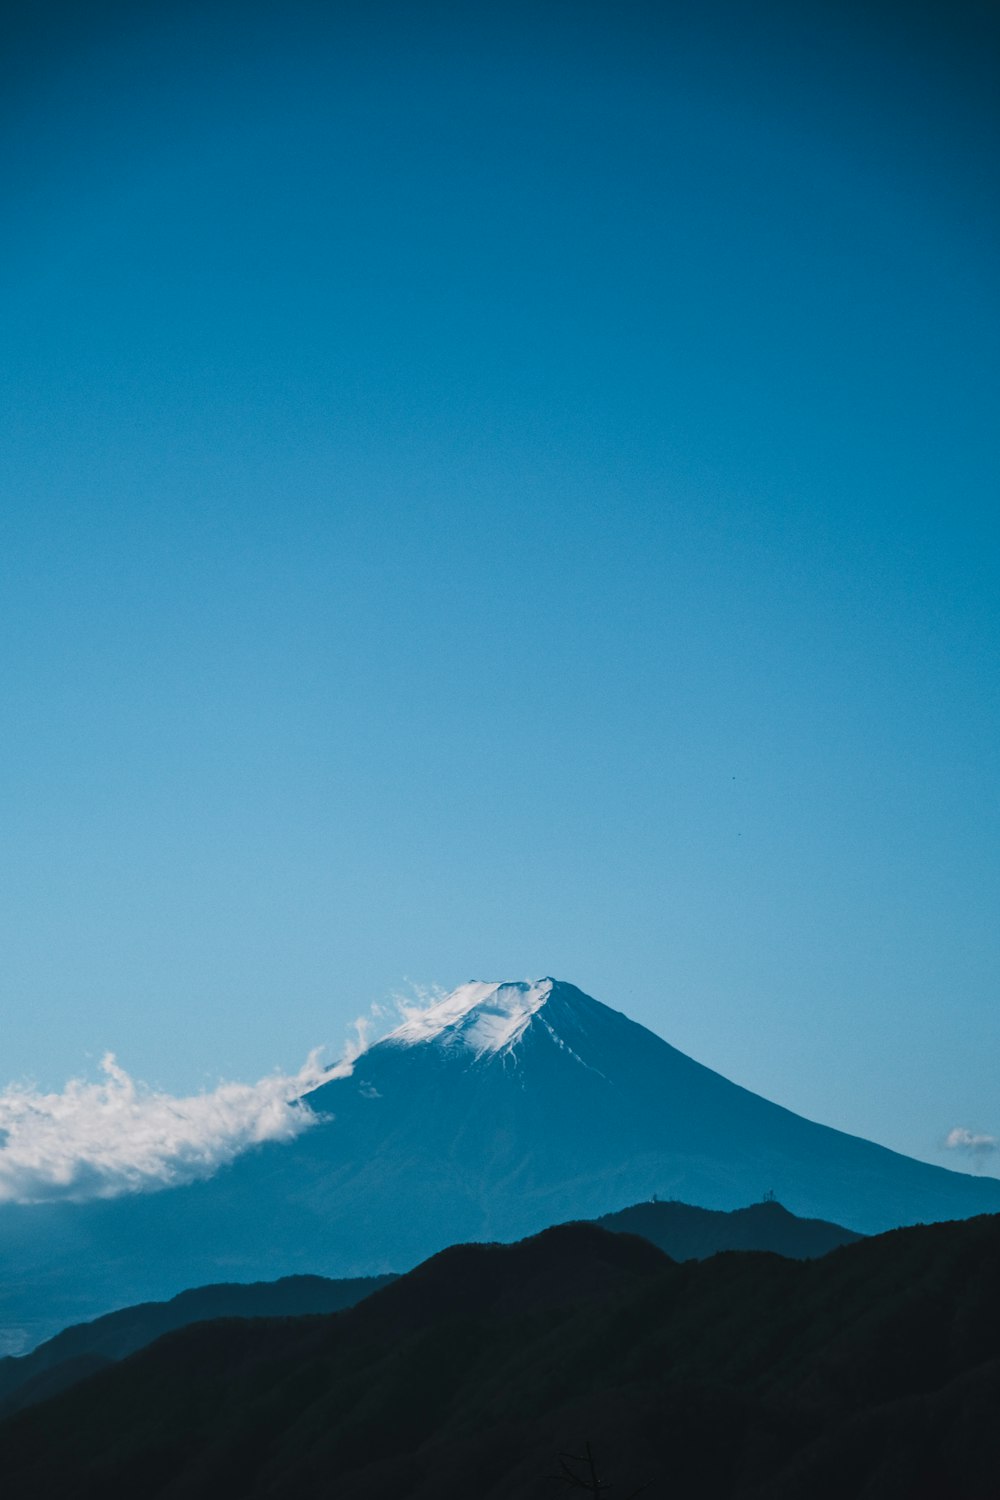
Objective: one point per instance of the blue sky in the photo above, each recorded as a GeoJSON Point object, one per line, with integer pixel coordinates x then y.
{"type": "Point", "coordinates": [496, 491]}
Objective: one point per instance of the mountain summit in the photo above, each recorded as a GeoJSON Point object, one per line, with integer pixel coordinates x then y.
{"type": "Point", "coordinates": [487, 1020]}
{"type": "Point", "coordinates": [501, 1109]}
{"type": "Point", "coordinates": [484, 1021]}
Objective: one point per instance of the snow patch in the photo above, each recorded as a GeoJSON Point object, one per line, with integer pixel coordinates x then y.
{"type": "Point", "coordinates": [483, 1018]}
{"type": "Point", "coordinates": [565, 1047]}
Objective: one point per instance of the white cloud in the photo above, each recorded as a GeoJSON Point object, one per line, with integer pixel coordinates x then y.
{"type": "Point", "coordinates": [101, 1139]}
{"type": "Point", "coordinates": [977, 1145]}
{"type": "Point", "coordinates": [113, 1136]}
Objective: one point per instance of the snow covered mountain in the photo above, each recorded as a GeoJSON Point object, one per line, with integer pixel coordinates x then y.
{"type": "Point", "coordinates": [541, 1103]}
{"type": "Point", "coordinates": [484, 1019]}
{"type": "Point", "coordinates": [499, 1111]}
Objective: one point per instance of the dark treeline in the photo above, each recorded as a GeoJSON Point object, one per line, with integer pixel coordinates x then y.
{"type": "Point", "coordinates": [683, 1231]}
{"type": "Point", "coordinates": [873, 1373]}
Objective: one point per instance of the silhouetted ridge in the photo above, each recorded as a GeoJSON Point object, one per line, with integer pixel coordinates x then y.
{"type": "Point", "coordinates": [687, 1233]}
{"type": "Point", "coordinates": [874, 1372]}
{"type": "Point", "coordinates": [86, 1347]}
{"type": "Point", "coordinates": [552, 1265]}
{"type": "Point", "coordinates": [567, 1264]}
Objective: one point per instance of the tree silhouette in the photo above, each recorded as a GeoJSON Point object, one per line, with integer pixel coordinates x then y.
{"type": "Point", "coordinates": [589, 1481]}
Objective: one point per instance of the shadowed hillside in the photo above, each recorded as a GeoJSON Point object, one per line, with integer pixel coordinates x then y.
{"type": "Point", "coordinates": [873, 1372]}
{"type": "Point", "coordinates": [683, 1232]}
{"type": "Point", "coordinates": [87, 1347]}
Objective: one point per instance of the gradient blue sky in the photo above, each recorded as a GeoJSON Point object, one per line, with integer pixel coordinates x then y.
{"type": "Point", "coordinates": [491, 491]}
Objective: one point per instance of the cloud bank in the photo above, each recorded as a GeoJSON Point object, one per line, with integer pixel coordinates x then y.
{"type": "Point", "coordinates": [102, 1139]}
{"type": "Point", "coordinates": [114, 1136]}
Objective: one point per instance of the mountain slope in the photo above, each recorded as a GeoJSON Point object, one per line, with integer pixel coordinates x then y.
{"type": "Point", "coordinates": [501, 1110]}
{"type": "Point", "coordinates": [528, 1104]}
{"type": "Point", "coordinates": [872, 1372]}
{"type": "Point", "coordinates": [536, 1102]}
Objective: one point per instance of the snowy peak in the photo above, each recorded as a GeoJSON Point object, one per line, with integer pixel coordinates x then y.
{"type": "Point", "coordinates": [485, 1019]}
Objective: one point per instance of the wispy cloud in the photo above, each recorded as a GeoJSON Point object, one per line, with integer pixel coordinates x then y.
{"type": "Point", "coordinates": [976, 1145]}
{"type": "Point", "coordinates": [99, 1139]}
{"type": "Point", "coordinates": [384, 1016]}
{"type": "Point", "coordinates": [408, 1004]}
